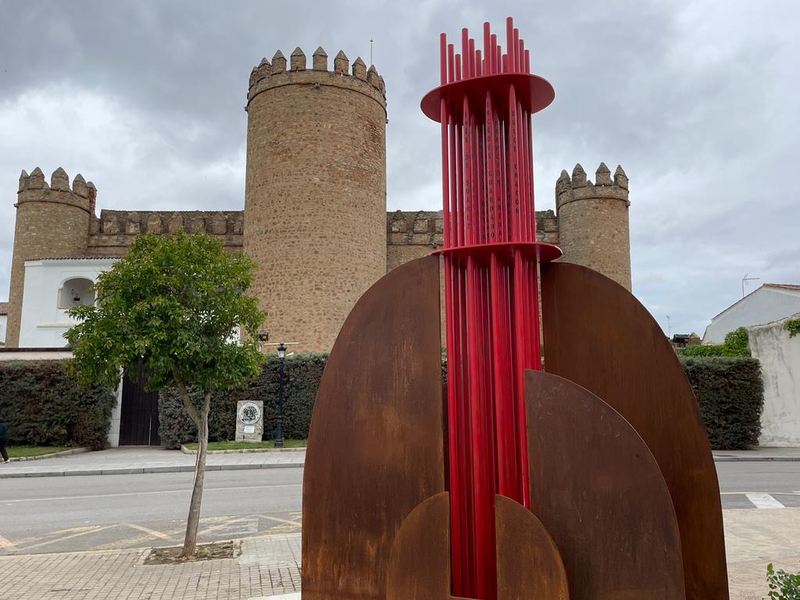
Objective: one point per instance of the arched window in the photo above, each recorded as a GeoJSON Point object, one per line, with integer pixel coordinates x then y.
{"type": "Point", "coordinates": [76, 292]}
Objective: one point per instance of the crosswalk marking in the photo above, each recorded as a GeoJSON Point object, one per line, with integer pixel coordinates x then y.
{"type": "Point", "coordinates": [763, 500]}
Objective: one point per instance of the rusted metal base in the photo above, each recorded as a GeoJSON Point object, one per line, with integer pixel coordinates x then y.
{"type": "Point", "coordinates": [528, 563]}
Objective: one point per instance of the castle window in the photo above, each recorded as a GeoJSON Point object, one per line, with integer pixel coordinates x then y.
{"type": "Point", "coordinates": [76, 292]}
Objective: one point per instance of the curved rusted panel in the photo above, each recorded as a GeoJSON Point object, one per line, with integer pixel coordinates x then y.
{"type": "Point", "coordinates": [598, 335]}
{"type": "Point", "coordinates": [598, 490]}
{"type": "Point", "coordinates": [419, 565]}
{"type": "Point", "coordinates": [375, 449]}
{"type": "Point", "coordinates": [528, 563]}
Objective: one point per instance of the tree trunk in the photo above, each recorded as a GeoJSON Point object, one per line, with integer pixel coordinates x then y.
{"type": "Point", "coordinates": [193, 522]}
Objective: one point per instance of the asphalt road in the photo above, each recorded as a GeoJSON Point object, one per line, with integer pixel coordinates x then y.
{"type": "Point", "coordinates": [60, 514]}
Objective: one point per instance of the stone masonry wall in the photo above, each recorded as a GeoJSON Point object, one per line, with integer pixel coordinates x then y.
{"type": "Point", "coordinates": [115, 230]}
{"type": "Point", "coordinates": [315, 192]}
{"type": "Point", "coordinates": [593, 222]}
{"type": "Point", "coordinates": [52, 220]}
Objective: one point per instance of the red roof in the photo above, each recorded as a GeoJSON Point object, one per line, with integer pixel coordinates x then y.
{"type": "Point", "coordinates": [783, 286]}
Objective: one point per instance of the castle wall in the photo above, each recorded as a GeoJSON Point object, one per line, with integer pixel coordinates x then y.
{"type": "Point", "coordinates": [593, 222]}
{"type": "Point", "coordinates": [315, 193]}
{"type": "Point", "coordinates": [115, 230]}
{"type": "Point", "coordinates": [52, 220]}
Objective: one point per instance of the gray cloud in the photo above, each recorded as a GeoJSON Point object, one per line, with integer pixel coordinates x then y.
{"type": "Point", "coordinates": [696, 99]}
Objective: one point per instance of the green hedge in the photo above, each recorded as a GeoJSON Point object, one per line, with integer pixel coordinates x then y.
{"type": "Point", "coordinates": [44, 406]}
{"type": "Point", "coordinates": [301, 380]}
{"type": "Point", "coordinates": [730, 392]}
{"type": "Point", "coordinates": [736, 344]}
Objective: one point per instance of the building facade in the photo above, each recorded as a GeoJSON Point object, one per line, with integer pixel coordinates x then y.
{"type": "Point", "coordinates": [314, 214]}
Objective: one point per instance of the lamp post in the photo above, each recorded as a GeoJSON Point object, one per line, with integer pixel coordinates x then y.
{"type": "Point", "coordinates": [279, 425]}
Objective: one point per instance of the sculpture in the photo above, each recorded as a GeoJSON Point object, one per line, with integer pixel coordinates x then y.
{"type": "Point", "coordinates": [590, 479]}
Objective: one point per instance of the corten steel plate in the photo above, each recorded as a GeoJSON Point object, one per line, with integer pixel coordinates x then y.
{"type": "Point", "coordinates": [599, 492]}
{"type": "Point", "coordinates": [528, 564]}
{"type": "Point", "coordinates": [375, 448]}
{"type": "Point", "coordinates": [598, 335]}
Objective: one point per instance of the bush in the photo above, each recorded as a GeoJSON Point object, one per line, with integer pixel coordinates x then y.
{"type": "Point", "coordinates": [736, 344]}
{"type": "Point", "coordinates": [783, 585]}
{"type": "Point", "coordinates": [44, 406]}
{"type": "Point", "coordinates": [730, 392]}
{"type": "Point", "coordinates": [302, 375]}
{"type": "Point", "coordinates": [792, 326]}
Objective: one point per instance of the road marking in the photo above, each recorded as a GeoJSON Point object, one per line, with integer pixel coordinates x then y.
{"type": "Point", "coordinates": [764, 501]}
{"type": "Point", "coordinates": [286, 521]}
{"type": "Point", "coordinates": [5, 544]}
{"type": "Point", "coordinates": [150, 532]}
{"type": "Point", "coordinates": [154, 493]}
{"type": "Point", "coordinates": [69, 537]}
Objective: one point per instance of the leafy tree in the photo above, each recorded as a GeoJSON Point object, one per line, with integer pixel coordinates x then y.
{"type": "Point", "coordinates": [173, 303]}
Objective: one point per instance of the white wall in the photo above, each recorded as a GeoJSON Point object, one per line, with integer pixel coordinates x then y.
{"type": "Point", "coordinates": [762, 306]}
{"type": "Point", "coordinates": [779, 356]}
{"type": "Point", "coordinates": [43, 323]}
{"type": "Point", "coordinates": [3, 320]}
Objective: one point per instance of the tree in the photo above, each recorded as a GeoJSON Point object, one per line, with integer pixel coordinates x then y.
{"type": "Point", "coordinates": [173, 304]}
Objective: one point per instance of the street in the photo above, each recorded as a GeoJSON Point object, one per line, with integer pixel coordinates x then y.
{"type": "Point", "coordinates": [63, 514]}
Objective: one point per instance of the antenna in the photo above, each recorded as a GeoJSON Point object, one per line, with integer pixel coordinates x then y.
{"type": "Point", "coordinates": [370, 52]}
{"type": "Point", "coordinates": [669, 328]}
{"type": "Point", "coordinates": [746, 278]}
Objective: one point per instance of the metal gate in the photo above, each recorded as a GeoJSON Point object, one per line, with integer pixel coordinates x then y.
{"type": "Point", "coordinates": [139, 416]}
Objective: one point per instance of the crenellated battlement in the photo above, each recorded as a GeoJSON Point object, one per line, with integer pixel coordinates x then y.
{"type": "Point", "coordinates": [36, 188]}
{"type": "Point", "coordinates": [579, 187]}
{"type": "Point", "coordinates": [115, 230]}
{"type": "Point", "coordinates": [279, 72]}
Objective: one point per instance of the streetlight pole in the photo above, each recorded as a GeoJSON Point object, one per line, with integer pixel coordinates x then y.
{"type": "Point", "coordinates": [279, 428]}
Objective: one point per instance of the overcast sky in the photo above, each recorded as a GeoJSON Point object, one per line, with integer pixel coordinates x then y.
{"type": "Point", "coordinates": [696, 99]}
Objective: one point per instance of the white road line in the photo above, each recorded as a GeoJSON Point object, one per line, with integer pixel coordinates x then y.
{"type": "Point", "coordinates": [764, 501]}
{"type": "Point", "coordinates": [155, 493]}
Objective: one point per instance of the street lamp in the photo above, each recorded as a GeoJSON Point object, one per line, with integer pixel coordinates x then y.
{"type": "Point", "coordinates": [279, 432]}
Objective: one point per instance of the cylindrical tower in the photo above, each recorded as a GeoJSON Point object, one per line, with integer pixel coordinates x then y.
{"type": "Point", "coordinates": [315, 195]}
{"type": "Point", "coordinates": [593, 222]}
{"type": "Point", "coordinates": [52, 220]}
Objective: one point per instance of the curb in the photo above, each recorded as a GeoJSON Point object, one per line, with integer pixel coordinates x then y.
{"type": "Point", "coordinates": [756, 458]}
{"type": "Point", "coordinates": [139, 471]}
{"type": "Point", "coordinates": [51, 455]}
{"type": "Point", "coordinates": [186, 450]}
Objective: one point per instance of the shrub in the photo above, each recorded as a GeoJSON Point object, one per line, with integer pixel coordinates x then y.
{"type": "Point", "coordinates": [736, 344]}
{"type": "Point", "coordinates": [783, 585]}
{"type": "Point", "coordinates": [301, 381]}
{"type": "Point", "coordinates": [792, 326]}
{"type": "Point", "coordinates": [730, 393]}
{"type": "Point", "coordinates": [44, 406]}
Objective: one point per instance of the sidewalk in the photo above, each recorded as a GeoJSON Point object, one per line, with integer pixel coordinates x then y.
{"type": "Point", "coordinates": [134, 459]}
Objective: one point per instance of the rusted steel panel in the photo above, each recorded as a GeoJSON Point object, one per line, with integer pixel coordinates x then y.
{"type": "Point", "coordinates": [528, 562]}
{"type": "Point", "coordinates": [375, 449]}
{"type": "Point", "coordinates": [598, 335]}
{"type": "Point", "coordinates": [599, 492]}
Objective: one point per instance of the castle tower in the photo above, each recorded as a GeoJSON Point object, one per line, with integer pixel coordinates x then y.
{"type": "Point", "coordinates": [593, 222]}
{"type": "Point", "coordinates": [52, 221]}
{"type": "Point", "coordinates": [315, 192]}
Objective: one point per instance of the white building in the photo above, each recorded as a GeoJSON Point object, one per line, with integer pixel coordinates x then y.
{"type": "Point", "coordinates": [770, 302]}
{"type": "Point", "coordinates": [52, 285]}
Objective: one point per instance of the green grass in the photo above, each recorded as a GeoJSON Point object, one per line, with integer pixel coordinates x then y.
{"type": "Point", "coordinates": [25, 451]}
{"type": "Point", "coordinates": [249, 445]}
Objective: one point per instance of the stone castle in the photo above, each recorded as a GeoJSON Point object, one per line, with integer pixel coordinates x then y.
{"type": "Point", "coordinates": [314, 215]}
